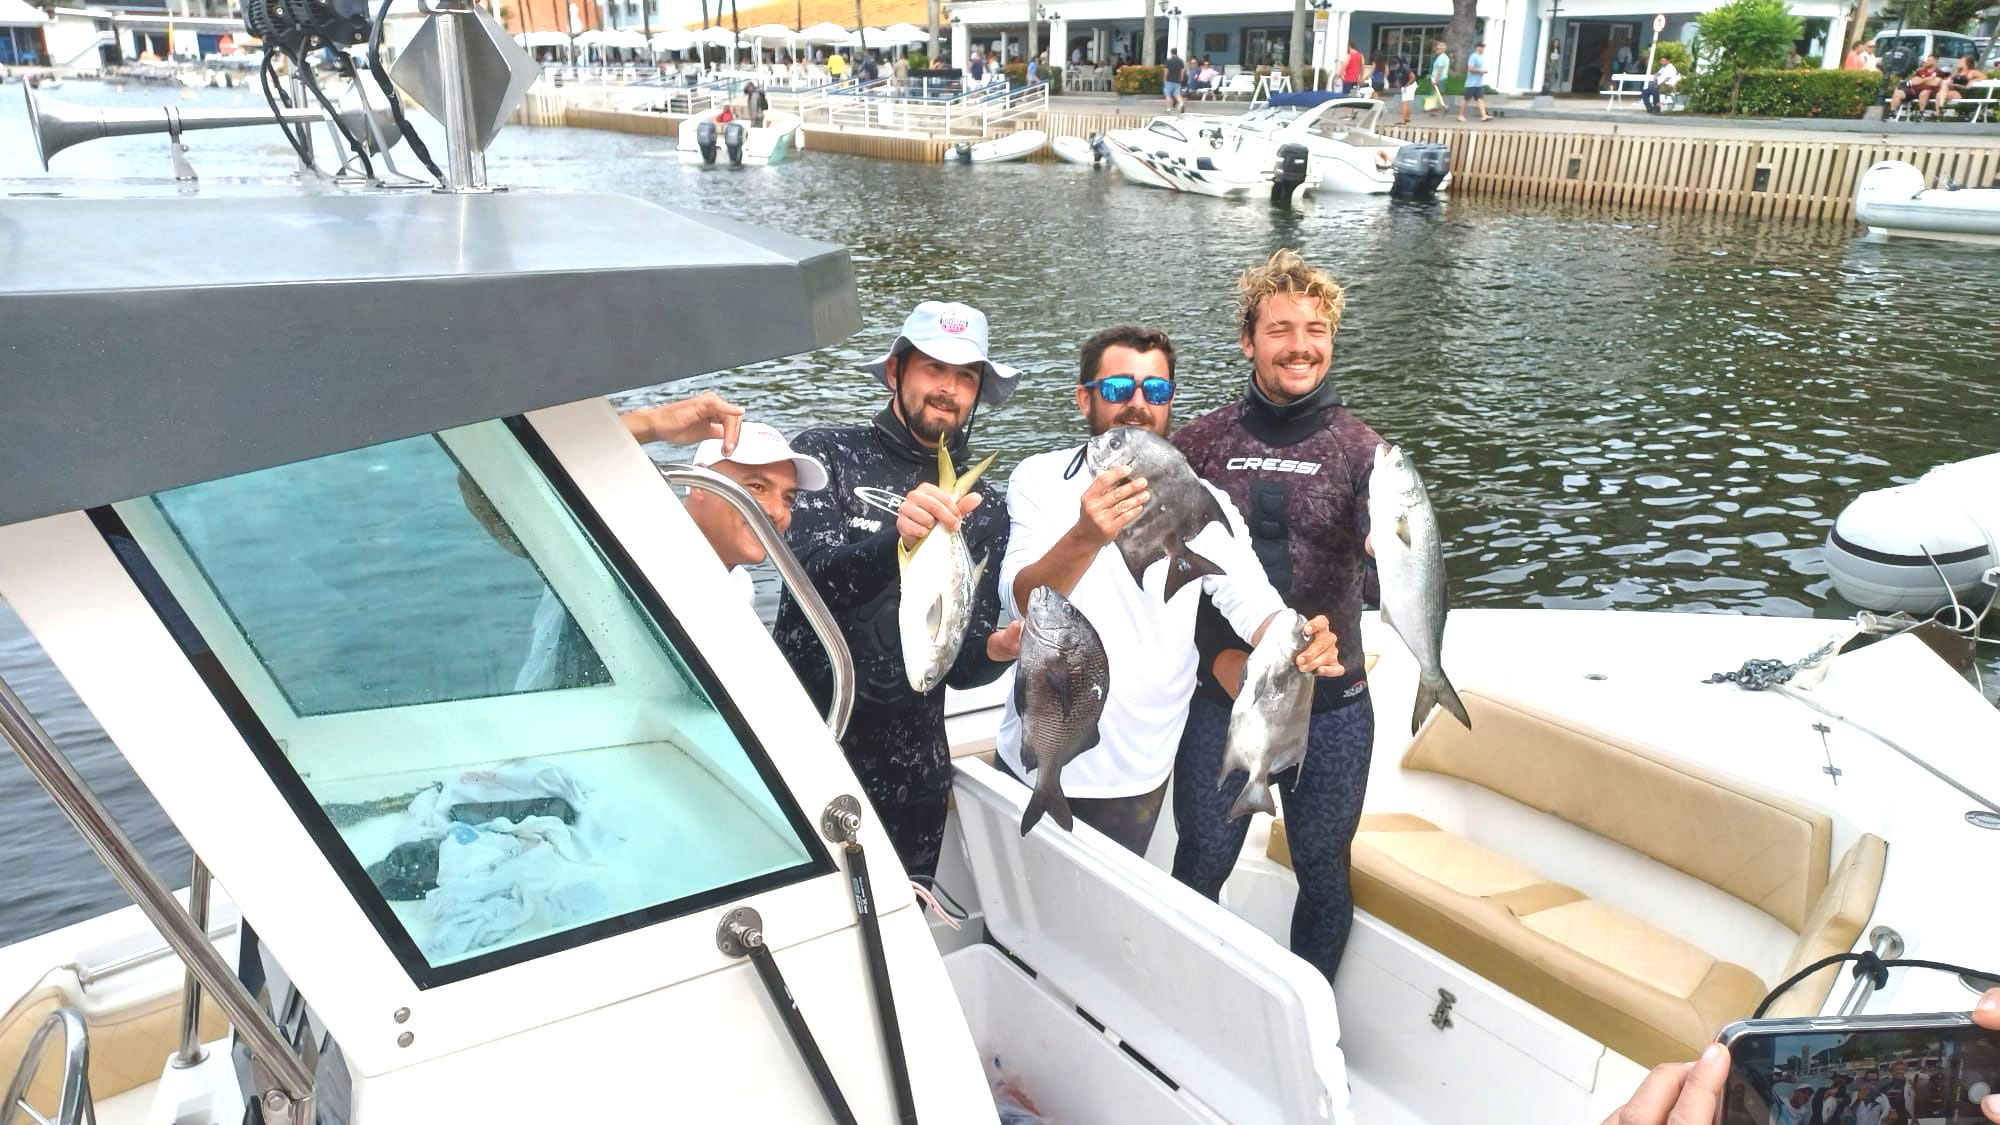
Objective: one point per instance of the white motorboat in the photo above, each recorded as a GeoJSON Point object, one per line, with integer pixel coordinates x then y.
{"type": "Point", "coordinates": [1916, 547]}
{"type": "Point", "coordinates": [1894, 202]}
{"type": "Point", "coordinates": [1349, 154]}
{"type": "Point", "coordinates": [1018, 145]}
{"type": "Point", "coordinates": [502, 783]}
{"type": "Point", "coordinates": [1205, 155]}
{"type": "Point", "coordinates": [703, 140]}
{"type": "Point", "coordinates": [1091, 151]}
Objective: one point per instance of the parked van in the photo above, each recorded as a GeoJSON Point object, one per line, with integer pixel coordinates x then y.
{"type": "Point", "coordinates": [1901, 52]}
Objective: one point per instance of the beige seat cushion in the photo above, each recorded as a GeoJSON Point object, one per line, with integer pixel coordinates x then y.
{"type": "Point", "coordinates": [1834, 925]}
{"type": "Point", "coordinates": [1641, 991]}
{"type": "Point", "coordinates": [1755, 844]}
{"type": "Point", "coordinates": [129, 1045]}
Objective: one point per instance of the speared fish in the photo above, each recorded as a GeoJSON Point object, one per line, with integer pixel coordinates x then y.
{"type": "Point", "coordinates": [938, 581]}
{"type": "Point", "coordinates": [1269, 721]}
{"type": "Point", "coordinates": [1409, 558]}
{"type": "Point", "coordinates": [1060, 687]}
{"type": "Point", "coordinates": [1179, 506]}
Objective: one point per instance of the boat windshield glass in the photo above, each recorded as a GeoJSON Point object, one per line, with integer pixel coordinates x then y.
{"type": "Point", "coordinates": [491, 725]}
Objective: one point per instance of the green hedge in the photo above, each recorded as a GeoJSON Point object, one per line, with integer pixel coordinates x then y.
{"type": "Point", "coordinates": [1139, 79]}
{"type": "Point", "coordinates": [1787, 93]}
{"type": "Point", "coordinates": [1017, 76]}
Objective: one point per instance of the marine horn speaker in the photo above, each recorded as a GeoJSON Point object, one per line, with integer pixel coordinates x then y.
{"type": "Point", "coordinates": [57, 125]}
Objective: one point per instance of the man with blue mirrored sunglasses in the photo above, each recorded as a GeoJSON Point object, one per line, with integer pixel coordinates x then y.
{"type": "Point", "coordinates": [1061, 526]}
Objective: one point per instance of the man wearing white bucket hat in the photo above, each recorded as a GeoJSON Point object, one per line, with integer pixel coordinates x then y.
{"type": "Point", "coordinates": [883, 489]}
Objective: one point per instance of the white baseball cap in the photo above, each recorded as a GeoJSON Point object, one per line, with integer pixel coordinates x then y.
{"type": "Point", "coordinates": [951, 332]}
{"type": "Point", "coordinates": [761, 444]}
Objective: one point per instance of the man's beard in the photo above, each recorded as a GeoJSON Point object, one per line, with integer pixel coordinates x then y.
{"type": "Point", "coordinates": [1143, 419]}
{"type": "Point", "coordinates": [919, 419]}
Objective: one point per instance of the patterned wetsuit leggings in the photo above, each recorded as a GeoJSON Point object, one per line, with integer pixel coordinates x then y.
{"type": "Point", "coordinates": [1322, 806]}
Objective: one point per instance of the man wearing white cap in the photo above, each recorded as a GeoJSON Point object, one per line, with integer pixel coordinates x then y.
{"type": "Point", "coordinates": [771, 472]}
{"type": "Point", "coordinates": [882, 488]}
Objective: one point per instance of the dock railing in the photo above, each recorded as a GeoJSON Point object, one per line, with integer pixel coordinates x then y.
{"type": "Point", "coordinates": [910, 108]}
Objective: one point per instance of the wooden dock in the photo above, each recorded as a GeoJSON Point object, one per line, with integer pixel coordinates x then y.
{"type": "Point", "coordinates": [1760, 171]}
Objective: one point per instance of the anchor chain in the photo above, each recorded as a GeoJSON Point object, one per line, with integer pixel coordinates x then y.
{"type": "Point", "coordinates": [1759, 674]}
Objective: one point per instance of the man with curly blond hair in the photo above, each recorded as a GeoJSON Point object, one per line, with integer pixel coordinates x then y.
{"type": "Point", "coordinates": [1295, 462]}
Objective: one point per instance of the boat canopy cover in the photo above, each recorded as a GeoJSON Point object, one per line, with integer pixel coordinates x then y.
{"type": "Point", "coordinates": [156, 340]}
{"type": "Point", "coordinates": [1305, 99]}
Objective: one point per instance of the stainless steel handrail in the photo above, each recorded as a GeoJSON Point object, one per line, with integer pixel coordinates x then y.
{"type": "Point", "coordinates": [87, 975]}
{"type": "Point", "coordinates": [791, 573]}
{"type": "Point", "coordinates": [74, 1106]}
{"type": "Point", "coordinates": [292, 1098]}
{"type": "Point", "coordinates": [190, 1053]}
{"type": "Point", "coordinates": [1888, 945]}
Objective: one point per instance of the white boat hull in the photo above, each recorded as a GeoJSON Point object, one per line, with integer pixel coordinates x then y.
{"type": "Point", "coordinates": [1893, 202]}
{"type": "Point", "coordinates": [771, 143]}
{"type": "Point", "coordinates": [1000, 150]}
{"type": "Point", "coordinates": [1221, 161]}
{"type": "Point", "coordinates": [1076, 150]}
{"type": "Point", "coordinates": [1887, 549]}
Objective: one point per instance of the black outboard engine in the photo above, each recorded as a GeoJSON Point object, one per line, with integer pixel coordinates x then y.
{"type": "Point", "coordinates": [1289, 173]}
{"type": "Point", "coordinates": [962, 152]}
{"type": "Point", "coordinates": [1100, 153]}
{"type": "Point", "coordinates": [732, 139]}
{"type": "Point", "coordinates": [1420, 168]}
{"type": "Point", "coordinates": [704, 139]}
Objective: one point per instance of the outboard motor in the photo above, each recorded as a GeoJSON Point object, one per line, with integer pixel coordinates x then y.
{"type": "Point", "coordinates": [1289, 173]}
{"type": "Point", "coordinates": [1419, 169]}
{"type": "Point", "coordinates": [704, 139]}
{"type": "Point", "coordinates": [962, 152]}
{"type": "Point", "coordinates": [732, 139]}
{"type": "Point", "coordinates": [1100, 152]}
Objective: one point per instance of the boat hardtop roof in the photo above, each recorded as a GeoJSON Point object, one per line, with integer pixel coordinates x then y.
{"type": "Point", "coordinates": [255, 325]}
{"type": "Point", "coordinates": [1364, 112]}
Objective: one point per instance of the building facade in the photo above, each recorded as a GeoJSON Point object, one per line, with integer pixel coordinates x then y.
{"type": "Point", "coordinates": [1591, 38]}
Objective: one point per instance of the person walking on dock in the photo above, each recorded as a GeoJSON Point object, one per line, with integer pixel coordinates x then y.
{"type": "Point", "coordinates": [1170, 85]}
{"type": "Point", "coordinates": [1404, 80]}
{"type": "Point", "coordinates": [1440, 70]}
{"type": "Point", "coordinates": [1475, 83]}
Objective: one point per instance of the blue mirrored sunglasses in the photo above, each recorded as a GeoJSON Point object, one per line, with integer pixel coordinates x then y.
{"type": "Point", "coordinates": [1119, 388]}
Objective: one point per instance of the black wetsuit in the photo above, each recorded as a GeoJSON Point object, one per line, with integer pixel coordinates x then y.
{"type": "Point", "coordinates": [845, 535]}
{"type": "Point", "coordinates": [1298, 472]}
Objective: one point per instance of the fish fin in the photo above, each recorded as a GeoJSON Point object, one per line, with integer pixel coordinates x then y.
{"type": "Point", "coordinates": [1256, 797]}
{"type": "Point", "coordinates": [1058, 679]}
{"type": "Point", "coordinates": [1438, 692]}
{"type": "Point", "coordinates": [947, 476]}
{"type": "Point", "coordinates": [1048, 799]}
{"type": "Point", "coordinates": [1385, 617]}
{"type": "Point", "coordinates": [1213, 510]}
{"type": "Point", "coordinates": [934, 616]}
{"type": "Point", "coordinates": [1403, 528]}
{"type": "Point", "coordinates": [1289, 757]}
{"type": "Point", "coordinates": [963, 484]}
{"type": "Point", "coordinates": [1137, 569]}
{"type": "Point", "coordinates": [1021, 706]}
{"type": "Point", "coordinates": [1184, 568]}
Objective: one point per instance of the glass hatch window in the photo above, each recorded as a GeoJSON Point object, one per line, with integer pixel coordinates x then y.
{"type": "Point", "coordinates": [493, 728]}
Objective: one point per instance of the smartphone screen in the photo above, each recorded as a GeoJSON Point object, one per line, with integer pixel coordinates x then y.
{"type": "Point", "coordinates": [1872, 1070]}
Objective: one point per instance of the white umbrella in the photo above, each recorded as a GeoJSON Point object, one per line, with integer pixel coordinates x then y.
{"type": "Point", "coordinates": [828, 34]}
{"type": "Point", "coordinates": [630, 40]}
{"type": "Point", "coordinates": [902, 34]}
{"type": "Point", "coordinates": [542, 39]}
{"type": "Point", "coordinates": [715, 37]}
{"type": "Point", "coordinates": [673, 39]}
{"type": "Point", "coordinates": [770, 31]}
{"type": "Point", "coordinates": [590, 38]}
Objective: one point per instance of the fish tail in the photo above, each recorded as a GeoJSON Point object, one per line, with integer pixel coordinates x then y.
{"type": "Point", "coordinates": [1186, 567]}
{"type": "Point", "coordinates": [1256, 797]}
{"type": "Point", "coordinates": [1436, 691]}
{"type": "Point", "coordinates": [963, 484]}
{"type": "Point", "coordinates": [1048, 799]}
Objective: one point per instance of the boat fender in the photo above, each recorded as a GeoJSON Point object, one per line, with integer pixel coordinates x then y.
{"type": "Point", "coordinates": [732, 139]}
{"type": "Point", "coordinates": [704, 139]}
{"type": "Point", "coordinates": [1294, 160]}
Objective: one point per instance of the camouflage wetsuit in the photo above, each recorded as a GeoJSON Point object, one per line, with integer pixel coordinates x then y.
{"type": "Point", "coordinates": [845, 535]}
{"type": "Point", "coordinates": [1298, 472]}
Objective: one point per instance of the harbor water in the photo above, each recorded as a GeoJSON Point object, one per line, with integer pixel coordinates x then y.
{"type": "Point", "coordinates": [1629, 411]}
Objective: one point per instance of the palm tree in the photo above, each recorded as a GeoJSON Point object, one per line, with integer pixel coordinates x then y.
{"type": "Point", "coordinates": [1146, 53]}
{"type": "Point", "coordinates": [931, 50]}
{"type": "Point", "coordinates": [860, 34]}
{"type": "Point", "coordinates": [1296, 58]}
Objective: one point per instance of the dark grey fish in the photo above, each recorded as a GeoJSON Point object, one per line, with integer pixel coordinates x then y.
{"type": "Point", "coordinates": [408, 872]}
{"type": "Point", "coordinates": [1179, 508]}
{"type": "Point", "coordinates": [1060, 686]}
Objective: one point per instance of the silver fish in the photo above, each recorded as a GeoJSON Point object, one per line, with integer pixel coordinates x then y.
{"type": "Point", "coordinates": [1180, 505]}
{"type": "Point", "coordinates": [1060, 686]}
{"type": "Point", "coordinates": [938, 581]}
{"type": "Point", "coordinates": [1267, 724]}
{"type": "Point", "coordinates": [1409, 557]}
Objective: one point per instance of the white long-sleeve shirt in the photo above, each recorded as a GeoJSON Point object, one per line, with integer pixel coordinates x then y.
{"type": "Point", "coordinates": [1149, 643]}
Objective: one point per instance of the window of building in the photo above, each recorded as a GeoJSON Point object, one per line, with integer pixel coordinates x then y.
{"type": "Point", "coordinates": [1266, 46]}
{"type": "Point", "coordinates": [1410, 42]}
{"type": "Point", "coordinates": [492, 727]}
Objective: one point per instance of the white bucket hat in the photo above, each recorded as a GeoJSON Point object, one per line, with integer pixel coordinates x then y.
{"type": "Point", "coordinates": [950, 332]}
{"type": "Point", "coordinates": [761, 444]}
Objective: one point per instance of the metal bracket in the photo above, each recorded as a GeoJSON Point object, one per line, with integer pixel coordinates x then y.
{"type": "Point", "coordinates": [1829, 769]}
{"type": "Point", "coordinates": [841, 822]}
{"type": "Point", "coordinates": [740, 931]}
{"type": "Point", "coordinates": [1441, 1015]}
